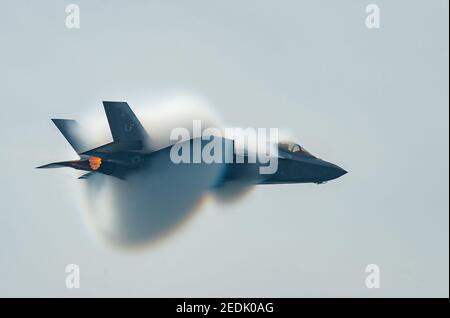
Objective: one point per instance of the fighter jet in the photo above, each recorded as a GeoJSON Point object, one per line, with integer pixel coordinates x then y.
{"type": "Point", "coordinates": [127, 154]}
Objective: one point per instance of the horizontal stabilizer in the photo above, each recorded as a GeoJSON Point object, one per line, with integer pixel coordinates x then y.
{"type": "Point", "coordinates": [52, 165]}
{"type": "Point", "coordinates": [86, 175]}
{"type": "Point", "coordinates": [75, 164]}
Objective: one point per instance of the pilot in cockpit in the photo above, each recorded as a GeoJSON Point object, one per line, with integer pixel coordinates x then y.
{"type": "Point", "coordinates": [294, 149]}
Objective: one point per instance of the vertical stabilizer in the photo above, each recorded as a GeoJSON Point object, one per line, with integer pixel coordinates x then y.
{"type": "Point", "coordinates": [71, 130]}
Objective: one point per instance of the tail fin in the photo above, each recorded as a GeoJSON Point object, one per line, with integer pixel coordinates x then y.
{"type": "Point", "coordinates": [71, 130]}
{"type": "Point", "coordinates": [123, 122]}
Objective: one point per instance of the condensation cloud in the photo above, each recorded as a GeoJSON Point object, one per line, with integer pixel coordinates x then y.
{"type": "Point", "coordinates": [155, 200]}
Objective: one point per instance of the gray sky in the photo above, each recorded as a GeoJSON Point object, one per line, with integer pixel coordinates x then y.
{"type": "Point", "coordinates": [373, 101]}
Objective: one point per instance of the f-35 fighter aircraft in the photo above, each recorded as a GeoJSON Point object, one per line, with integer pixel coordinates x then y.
{"type": "Point", "coordinates": [127, 154]}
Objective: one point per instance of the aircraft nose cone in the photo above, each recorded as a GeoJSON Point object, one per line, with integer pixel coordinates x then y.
{"type": "Point", "coordinates": [335, 172]}
{"type": "Point", "coordinates": [339, 172]}
{"type": "Point", "coordinates": [331, 171]}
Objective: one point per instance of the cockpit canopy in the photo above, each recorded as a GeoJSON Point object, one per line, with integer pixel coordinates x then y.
{"type": "Point", "coordinates": [294, 148]}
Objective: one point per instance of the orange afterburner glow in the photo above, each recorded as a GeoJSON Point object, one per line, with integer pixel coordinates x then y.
{"type": "Point", "coordinates": [95, 162]}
